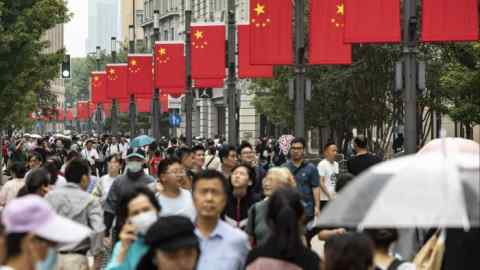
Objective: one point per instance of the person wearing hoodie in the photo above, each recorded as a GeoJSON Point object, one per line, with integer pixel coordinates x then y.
{"type": "Point", "coordinates": [73, 202]}
{"type": "Point", "coordinates": [134, 177]}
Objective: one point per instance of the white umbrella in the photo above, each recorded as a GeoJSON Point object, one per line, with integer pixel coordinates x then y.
{"type": "Point", "coordinates": [427, 190]}
{"type": "Point", "coordinates": [35, 136]}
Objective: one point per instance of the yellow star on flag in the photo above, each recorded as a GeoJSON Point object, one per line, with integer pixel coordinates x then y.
{"type": "Point", "coordinates": [96, 78]}
{"type": "Point", "coordinates": [341, 9]}
{"type": "Point", "coordinates": [112, 71]}
{"type": "Point", "coordinates": [134, 62]}
{"type": "Point", "coordinates": [260, 9]}
{"type": "Point", "coordinates": [198, 34]}
{"type": "Point", "coordinates": [162, 51]}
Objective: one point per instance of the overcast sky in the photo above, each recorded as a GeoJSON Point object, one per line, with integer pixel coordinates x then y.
{"type": "Point", "coordinates": [76, 30]}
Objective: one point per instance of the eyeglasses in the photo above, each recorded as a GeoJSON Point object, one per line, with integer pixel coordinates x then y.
{"type": "Point", "coordinates": [178, 173]}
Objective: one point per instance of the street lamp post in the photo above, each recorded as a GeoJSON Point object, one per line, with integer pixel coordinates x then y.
{"type": "Point", "coordinates": [114, 112]}
{"type": "Point", "coordinates": [98, 113]}
{"type": "Point", "coordinates": [156, 111]}
{"type": "Point", "coordinates": [188, 73]}
{"type": "Point", "coordinates": [410, 51]}
{"type": "Point", "coordinates": [299, 69]}
{"type": "Point", "coordinates": [231, 84]}
{"type": "Point", "coordinates": [132, 112]}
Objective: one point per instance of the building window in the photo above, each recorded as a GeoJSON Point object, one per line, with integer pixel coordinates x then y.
{"type": "Point", "coordinates": [165, 35]}
{"type": "Point", "coordinates": [139, 20]}
{"type": "Point", "coordinates": [172, 33]}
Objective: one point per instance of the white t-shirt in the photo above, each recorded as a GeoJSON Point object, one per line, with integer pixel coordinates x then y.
{"type": "Point", "coordinates": [115, 149]}
{"type": "Point", "coordinates": [182, 205]}
{"type": "Point", "coordinates": [103, 186]}
{"type": "Point", "coordinates": [90, 155]}
{"type": "Point", "coordinates": [329, 170]}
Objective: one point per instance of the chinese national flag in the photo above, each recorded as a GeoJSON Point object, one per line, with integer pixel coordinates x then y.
{"type": "Point", "coordinates": [82, 110]}
{"type": "Point", "coordinates": [327, 25]}
{"type": "Point", "coordinates": [245, 69]}
{"type": "Point", "coordinates": [92, 107]}
{"type": "Point", "coordinates": [144, 105]}
{"type": "Point", "coordinates": [117, 81]}
{"type": "Point", "coordinates": [123, 105]}
{"type": "Point", "coordinates": [99, 86]}
{"type": "Point", "coordinates": [170, 65]}
{"type": "Point", "coordinates": [209, 83]}
{"type": "Point", "coordinates": [208, 51]}
{"type": "Point", "coordinates": [174, 92]}
{"type": "Point", "coordinates": [271, 32]}
{"type": "Point", "coordinates": [164, 103]}
{"type": "Point", "coordinates": [450, 20]}
{"type": "Point", "coordinates": [372, 21]}
{"type": "Point", "coordinates": [140, 74]}
{"type": "Point", "coordinates": [69, 115]}
{"type": "Point", "coordinates": [107, 109]}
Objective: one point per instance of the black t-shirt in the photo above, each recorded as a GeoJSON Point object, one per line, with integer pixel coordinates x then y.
{"type": "Point", "coordinates": [305, 259]}
{"type": "Point", "coordinates": [360, 163]}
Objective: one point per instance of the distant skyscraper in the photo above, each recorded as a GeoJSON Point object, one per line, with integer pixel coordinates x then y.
{"type": "Point", "coordinates": [102, 23]}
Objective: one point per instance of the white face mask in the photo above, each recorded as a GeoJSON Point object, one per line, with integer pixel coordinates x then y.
{"type": "Point", "coordinates": [143, 221]}
{"type": "Point", "coordinates": [134, 166]}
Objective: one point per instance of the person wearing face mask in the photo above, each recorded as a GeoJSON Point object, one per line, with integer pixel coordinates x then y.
{"type": "Point", "coordinates": [33, 233]}
{"type": "Point", "coordinates": [173, 245]}
{"type": "Point", "coordinates": [134, 177]}
{"type": "Point", "coordinates": [138, 210]}
{"type": "Point", "coordinates": [103, 185]}
{"type": "Point", "coordinates": [72, 201]}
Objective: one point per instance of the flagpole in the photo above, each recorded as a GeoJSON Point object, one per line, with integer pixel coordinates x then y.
{"type": "Point", "coordinates": [299, 69]}
{"type": "Point", "coordinates": [132, 111]}
{"type": "Point", "coordinates": [114, 115]}
{"type": "Point", "coordinates": [156, 92]}
{"type": "Point", "coordinates": [231, 84]}
{"type": "Point", "coordinates": [188, 73]}
{"type": "Point", "coordinates": [98, 113]}
{"type": "Point", "coordinates": [410, 62]}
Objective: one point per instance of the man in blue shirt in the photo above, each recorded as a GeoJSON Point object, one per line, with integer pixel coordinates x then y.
{"type": "Point", "coordinates": [307, 179]}
{"type": "Point", "coordinates": [222, 246]}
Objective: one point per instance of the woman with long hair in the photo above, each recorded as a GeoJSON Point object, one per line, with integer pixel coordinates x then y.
{"type": "Point", "coordinates": [37, 182]}
{"type": "Point", "coordinates": [284, 248]}
{"type": "Point", "coordinates": [241, 196]}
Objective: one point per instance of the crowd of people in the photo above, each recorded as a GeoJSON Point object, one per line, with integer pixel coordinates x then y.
{"type": "Point", "coordinates": [209, 207]}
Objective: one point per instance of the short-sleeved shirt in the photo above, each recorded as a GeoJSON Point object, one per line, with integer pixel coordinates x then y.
{"type": "Point", "coordinates": [329, 170]}
{"type": "Point", "coordinates": [307, 178]}
{"type": "Point", "coordinates": [182, 205]}
{"type": "Point", "coordinates": [360, 163]}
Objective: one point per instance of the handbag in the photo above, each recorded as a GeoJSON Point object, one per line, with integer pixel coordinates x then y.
{"type": "Point", "coordinates": [430, 256]}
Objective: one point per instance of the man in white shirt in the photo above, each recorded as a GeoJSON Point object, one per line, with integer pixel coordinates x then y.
{"type": "Point", "coordinates": [115, 148]}
{"type": "Point", "coordinates": [90, 153]}
{"type": "Point", "coordinates": [173, 199]}
{"type": "Point", "coordinates": [328, 170]}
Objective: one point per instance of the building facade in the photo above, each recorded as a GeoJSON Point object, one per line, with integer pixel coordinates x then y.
{"type": "Point", "coordinates": [210, 116]}
{"type": "Point", "coordinates": [130, 9]}
{"type": "Point", "coordinates": [102, 24]}
{"type": "Point", "coordinates": [55, 37]}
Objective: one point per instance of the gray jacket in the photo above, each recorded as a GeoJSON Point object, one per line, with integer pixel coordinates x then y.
{"type": "Point", "coordinates": [72, 202]}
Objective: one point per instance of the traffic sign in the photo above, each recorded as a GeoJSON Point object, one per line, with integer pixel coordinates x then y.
{"type": "Point", "coordinates": [175, 120]}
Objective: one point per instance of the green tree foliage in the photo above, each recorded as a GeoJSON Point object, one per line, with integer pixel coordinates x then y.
{"type": "Point", "coordinates": [24, 67]}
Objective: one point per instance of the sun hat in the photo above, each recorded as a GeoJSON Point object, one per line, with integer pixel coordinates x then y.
{"type": "Point", "coordinates": [32, 214]}
{"type": "Point", "coordinates": [135, 152]}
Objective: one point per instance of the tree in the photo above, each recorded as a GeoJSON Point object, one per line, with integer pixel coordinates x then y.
{"type": "Point", "coordinates": [25, 68]}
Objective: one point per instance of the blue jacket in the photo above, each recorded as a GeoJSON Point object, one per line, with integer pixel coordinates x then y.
{"type": "Point", "coordinates": [135, 253]}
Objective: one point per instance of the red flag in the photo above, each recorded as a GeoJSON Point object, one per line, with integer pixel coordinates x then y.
{"type": "Point", "coordinates": [245, 69]}
{"type": "Point", "coordinates": [69, 115]}
{"type": "Point", "coordinates": [327, 22]}
{"type": "Point", "coordinates": [164, 103]}
{"type": "Point", "coordinates": [271, 32]}
{"type": "Point", "coordinates": [170, 65]}
{"type": "Point", "coordinates": [117, 81]}
{"type": "Point", "coordinates": [82, 110]}
{"type": "Point", "coordinates": [144, 105]}
{"type": "Point", "coordinates": [208, 51]}
{"type": "Point", "coordinates": [372, 21]}
{"type": "Point", "coordinates": [98, 80]}
{"type": "Point", "coordinates": [174, 92]}
{"type": "Point", "coordinates": [450, 20]}
{"type": "Point", "coordinates": [123, 105]}
{"type": "Point", "coordinates": [140, 74]}
{"type": "Point", "coordinates": [209, 83]}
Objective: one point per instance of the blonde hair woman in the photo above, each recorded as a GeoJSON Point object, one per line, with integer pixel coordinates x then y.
{"type": "Point", "coordinates": [257, 227]}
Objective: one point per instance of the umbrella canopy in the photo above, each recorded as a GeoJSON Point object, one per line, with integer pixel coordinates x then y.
{"type": "Point", "coordinates": [284, 142]}
{"type": "Point", "coordinates": [427, 190]}
{"type": "Point", "coordinates": [141, 141]}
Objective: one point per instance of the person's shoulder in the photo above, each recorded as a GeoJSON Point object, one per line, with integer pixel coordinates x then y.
{"type": "Point", "coordinates": [231, 233]}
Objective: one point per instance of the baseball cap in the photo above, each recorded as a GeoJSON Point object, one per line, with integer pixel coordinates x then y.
{"type": "Point", "coordinates": [135, 152]}
{"type": "Point", "coordinates": [171, 233]}
{"type": "Point", "coordinates": [32, 214]}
